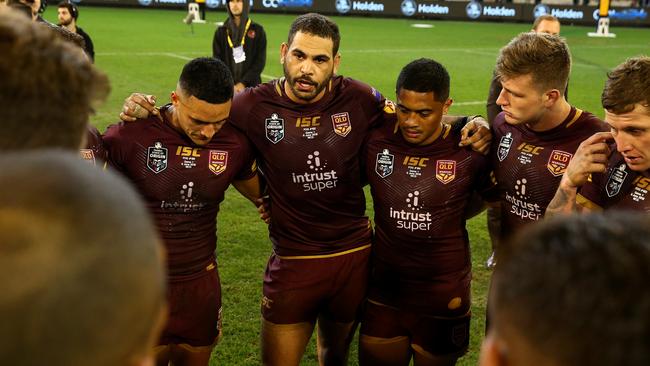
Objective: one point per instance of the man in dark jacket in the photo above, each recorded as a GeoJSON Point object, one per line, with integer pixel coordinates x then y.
{"type": "Point", "coordinates": [241, 44]}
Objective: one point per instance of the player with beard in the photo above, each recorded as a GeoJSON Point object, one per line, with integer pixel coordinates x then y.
{"type": "Point", "coordinates": [421, 182]}
{"type": "Point", "coordinates": [68, 14]}
{"type": "Point", "coordinates": [605, 175]}
{"type": "Point", "coordinates": [241, 44]}
{"type": "Point", "coordinates": [308, 128]}
{"type": "Point", "coordinates": [538, 131]}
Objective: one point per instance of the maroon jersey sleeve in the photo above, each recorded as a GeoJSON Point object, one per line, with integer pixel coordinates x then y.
{"type": "Point", "coordinates": [94, 151]}
{"type": "Point", "coordinates": [309, 156]}
{"type": "Point", "coordinates": [420, 195]}
{"type": "Point", "coordinates": [182, 183]}
{"type": "Point", "coordinates": [619, 188]}
{"type": "Point", "coordinates": [528, 165]}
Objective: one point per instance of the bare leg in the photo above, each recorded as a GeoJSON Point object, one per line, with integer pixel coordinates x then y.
{"type": "Point", "coordinates": [334, 341]}
{"type": "Point", "coordinates": [284, 344]}
{"type": "Point", "coordinates": [384, 351]}
{"type": "Point", "coordinates": [424, 358]}
{"type": "Point", "coordinates": [163, 355]}
{"type": "Point", "coordinates": [185, 355]}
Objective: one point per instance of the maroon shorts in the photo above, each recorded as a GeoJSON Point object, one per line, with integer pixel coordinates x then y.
{"type": "Point", "coordinates": [299, 290]}
{"type": "Point", "coordinates": [194, 311]}
{"type": "Point", "coordinates": [436, 335]}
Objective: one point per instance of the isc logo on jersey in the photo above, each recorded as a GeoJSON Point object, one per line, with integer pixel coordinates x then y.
{"type": "Point", "coordinates": [641, 185]}
{"type": "Point", "coordinates": [318, 178]}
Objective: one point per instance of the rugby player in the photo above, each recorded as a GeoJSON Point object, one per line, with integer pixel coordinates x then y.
{"type": "Point", "coordinates": [82, 282]}
{"type": "Point", "coordinates": [308, 128]}
{"type": "Point", "coordinates": [421, 182]}
{"type": "Point", "coordinates": [546, 23]}
{"type": "Point", "coordinates": [182, 161]}
{"type": "Point", "coordinates": [573, 291]}
{"type": "Point", "coordinates": [538, 131]}
{"type": "Point", "coordinates": [612, 169]}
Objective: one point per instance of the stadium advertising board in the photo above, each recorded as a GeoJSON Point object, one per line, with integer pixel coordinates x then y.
{"type": "Point", "coordinates": [418, 9]}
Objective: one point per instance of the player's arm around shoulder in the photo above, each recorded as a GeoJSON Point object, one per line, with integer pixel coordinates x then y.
{"type": "Point", "coordinates": [139, 105]}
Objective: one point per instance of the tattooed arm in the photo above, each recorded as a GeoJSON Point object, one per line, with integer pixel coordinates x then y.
{"type": "Point", "coordinates": [591, 157]}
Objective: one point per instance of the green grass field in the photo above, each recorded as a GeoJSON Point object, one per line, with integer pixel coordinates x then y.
{"type": "Point", "coordinates": [144, 50]}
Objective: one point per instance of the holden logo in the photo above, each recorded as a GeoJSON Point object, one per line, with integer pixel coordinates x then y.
{"type": "Point", "coordinates": [408, 7]}
{"type": "Point", "coordinates": [473, 10]}
{"type": "Point", "coordinates": [541, 9]}
{"type": "Point", "coordinates": [343, 6]}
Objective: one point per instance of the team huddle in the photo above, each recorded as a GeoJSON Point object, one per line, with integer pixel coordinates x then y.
{"type": "Point", "coordinates": [301, 148]}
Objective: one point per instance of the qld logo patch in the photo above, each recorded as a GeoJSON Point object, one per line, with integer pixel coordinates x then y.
{"type": "Point", "coordinates": [504, 146]}
{"type": "Point", "coordinates": [389, 107]}
{"type": "Point", "coordinates": [274, 128]}
{"type": "Point", "coordinates": [384, 163]}
{"type": "Point", "coordinates": [615, 182]}
{"type": "Point", "coordinates": [445, 170]}
{"type": "Point", "coordinates": [87, 155]}
{"type": "Point", "coordinates": [218, 161]}
{"type": "Point", "coordinates": [157, 157]}
{"type": "Point", "coordinates": [558, 162]}
{"type": "Point", "coordinates": [341, 123]}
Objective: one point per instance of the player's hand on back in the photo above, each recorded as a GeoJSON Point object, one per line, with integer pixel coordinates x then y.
{"type": "Point", "coordinates": [477, 135]}
{"type": "Point", "coordinates": [138, 105]}
{"type": "Point", "coordinates": [591, 157]}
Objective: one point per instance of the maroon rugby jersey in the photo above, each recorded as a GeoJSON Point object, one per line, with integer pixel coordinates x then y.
{"type": "Point", "coordinates": [528, 165]}
{"type": "Point", "coordinates": [619, 188]}
{"type": "Point", "coordinates": [94, 151]}
{"type": "Point", "coordinates": [309, 155]}
{"type": "Point", "coordinates": [182, 183]}
{"type": "Point", "coordinates": [420, 194]}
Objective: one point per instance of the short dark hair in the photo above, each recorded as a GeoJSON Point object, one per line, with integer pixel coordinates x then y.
{"type": "Point", "coordinates": [72, 8]}
{"type": "Point", "coordinates": [47, 99]}
{"type": "Point", "coordinates": [424, 75]}
{"type": "Point", "coordinates": [208, 79]}
{"type": "Point", "coordinates": [575, 289]}
{"type": "Point", "coordinates": [627, 85]}
{"type": "Point", "coordinates": [82, 283]}
{"type": "Point", "coordinates": [317, 25]}
{"type": "Point", "coordinates": [545, 57]}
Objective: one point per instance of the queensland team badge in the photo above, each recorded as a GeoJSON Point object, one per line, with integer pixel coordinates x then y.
{"type": "Point", "coordinates": [87, 155]}
{"type": "Point", "coordinates": [384, 163]}
{"type": "Point", "coordinates": [504, 146]}
{"type": "Point", "coordinates": [558, 162]}
{"type": "Point", "coordinates": [218, 161]}
{"type": "Point", "coordinates": [341, 123]}
{"type": "Point", "coordinates": [615, 182]}
{"type": "Point", "coordinates": [157, 157]}
{"type": "Point", "coordinates": [445, 170]}
{"type": "Point", "coordinates": [274, 128]}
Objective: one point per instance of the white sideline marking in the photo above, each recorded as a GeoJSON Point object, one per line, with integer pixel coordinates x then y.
{"type": "Point", "coordinates": [174, 55]}
{"type": "Point", "coordinates": [475, 102]}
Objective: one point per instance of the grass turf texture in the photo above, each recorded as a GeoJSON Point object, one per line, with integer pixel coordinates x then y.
{"type": "Point", "coordinates": [144, 50]}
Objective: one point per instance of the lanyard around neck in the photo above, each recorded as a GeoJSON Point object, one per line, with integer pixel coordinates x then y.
{"type": "Point", "coordinates": [243, 37]}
